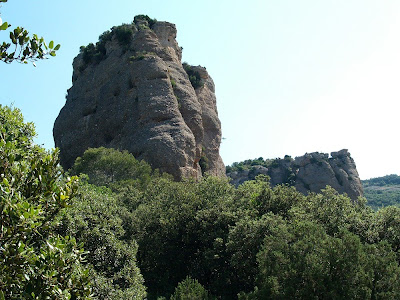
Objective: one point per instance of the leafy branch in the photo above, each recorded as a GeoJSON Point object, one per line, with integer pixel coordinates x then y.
{"type": "Point", "coordinates": [22, 47]}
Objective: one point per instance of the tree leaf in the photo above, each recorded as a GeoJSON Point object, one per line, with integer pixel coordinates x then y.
{"type": "Point", "coordinates": [12, 37]}
{"type": "Point", "coordinates": [4, 26]}
{"type": "Point", "coordinates": [51, 44]}
{"type": "Point", "coordinates": [57, 47]}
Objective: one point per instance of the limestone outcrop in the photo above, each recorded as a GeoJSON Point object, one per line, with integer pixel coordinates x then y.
{"type": "Point", "coordinates": [131, 92]}
{"type": "Point", "coordinates": [311, 172]}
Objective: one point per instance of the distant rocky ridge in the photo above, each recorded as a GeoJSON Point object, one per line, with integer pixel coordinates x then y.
{"type": "Point", "coordinates": [308, 173]}
{"type": "Point", "coordinates": [131, 92]}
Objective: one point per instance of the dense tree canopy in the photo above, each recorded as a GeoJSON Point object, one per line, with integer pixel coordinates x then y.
{"type": "Point", "coordinates": [147, 236]}
{"type": "Point", "coordinates": [254, 240]}
{"type": "Point", "coordinates": [97, 220]}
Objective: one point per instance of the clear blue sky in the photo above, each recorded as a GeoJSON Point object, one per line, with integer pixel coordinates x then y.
{"type": "Point", "coordinates": [291, 76]}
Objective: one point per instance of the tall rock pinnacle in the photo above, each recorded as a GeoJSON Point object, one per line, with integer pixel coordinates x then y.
{"type": "Point", "coordinates": [131, 92]}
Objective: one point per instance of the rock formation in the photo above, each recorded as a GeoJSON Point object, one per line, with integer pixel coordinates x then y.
{"type": "Point", "coordinates": [131, 92]}
{"type": "Point", "coordinates": [309, 173]}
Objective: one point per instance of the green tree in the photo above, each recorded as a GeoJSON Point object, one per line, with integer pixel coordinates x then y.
{"type": "Point", "coordinates": [22, 47]}
{"type": "Point", "coordinates": [254, 240]}
{"type": "Point", "coordinates": [387, 226]}
{"type": "Point", "coordinates": [244, 242]}
{"type": "Point", "coordinates": [97, 220]}
{"type": "Point", "coordinates": [190, 289]}
{"type": "Point", "coordinates": [301, 261]}
{"type": "Point", "coordinates": [110, 167]}
{"type": "Point", "coordinates": [330, 209]}
{"type": "Point", "coordinates": [181, 229]}
{"type": "Point", "coordinates": [35, 263]}
{"type": "Point", "coordinates": [258, 195]}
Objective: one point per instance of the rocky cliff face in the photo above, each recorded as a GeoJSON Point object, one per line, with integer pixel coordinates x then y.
{"type": "Point", "coordinates": [310, 173]}
{"type": "Point", "coordinates": [131, 92]}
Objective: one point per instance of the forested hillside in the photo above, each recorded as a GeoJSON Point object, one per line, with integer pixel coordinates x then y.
{"type": "Point", "coordinates": [382, 191]}
{"type": "Point", "coordinates": [121, 230]}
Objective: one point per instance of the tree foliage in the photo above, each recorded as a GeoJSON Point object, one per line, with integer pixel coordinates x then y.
{"type": "Point", "coordinates": [35, 263]}
{"type": "Point", "coordinates": [95, 53]}
{"type": "Point", "coordinates": [248, 164]}
{"type": "Point", "coordinates": [146, 18]}
{"type": "Point", "coordinates": [194, 76]}
{"type": "Point", "coordinates": [392, 179]}
{"type": "Point", "coordinates": [97, 220]}
{"type": "Point", "coordinates": [301, 261]}
{"type": "Point", "coordinates": [22, 47]}
{"type": "Point", "coordinates": [190, 289]}
{"type": "Point", "coordinates": [108, 167]}
{"type": "Point", "coordinates": [256, 241]}
{"type": "Point", "coordinates": [382, 191]}
{"type": "Point", "coordinates": [148, 236]}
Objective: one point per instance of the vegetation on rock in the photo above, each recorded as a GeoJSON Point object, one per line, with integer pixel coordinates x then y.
{"type": "Point", "coordinates": [146, 18]}
{"type": "Point", "coordinates": [194, 76]}
{"type": "Point", "coordinates": [249, 163]}
{"type": "Point", "coordinates": [95, 53]}
{"type": "Point", "coordinates": [203, 163]}
{"type": "Point", "coordinates": [311, 172]}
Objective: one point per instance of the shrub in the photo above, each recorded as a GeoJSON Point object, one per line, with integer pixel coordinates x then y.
{"type": "Point", "coordinates": [204, 164]}
{"type": "Point", "coordinates": [288, 158]}
{"type": "Point", "coordinates": [88, 52]}
{"type": "Point", "coordinates": [301, 261]}
{"type": "Point", "coordinates": [106, 166]}
{"type": "Point", "coordinates": [149, 20]}
{"type": "Point", "coordinates": [123, 33]}
{"type": "Point", "coordinates": [140, 55]}
{"type": "Point", "coordinates": [97, 220]}
{"type": "Point", "coordinates": [194, 76]}
{"type": "Point", "coordinates": [189, 289]}
{"type": "Point", "coordinates": [105, 37]}
{"type": "Point", "coordinates": [143, 27]}
{"type": "Point", "coordinates": [95, 53]}
{"type": "Point", "coordinates": [173, 83]}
